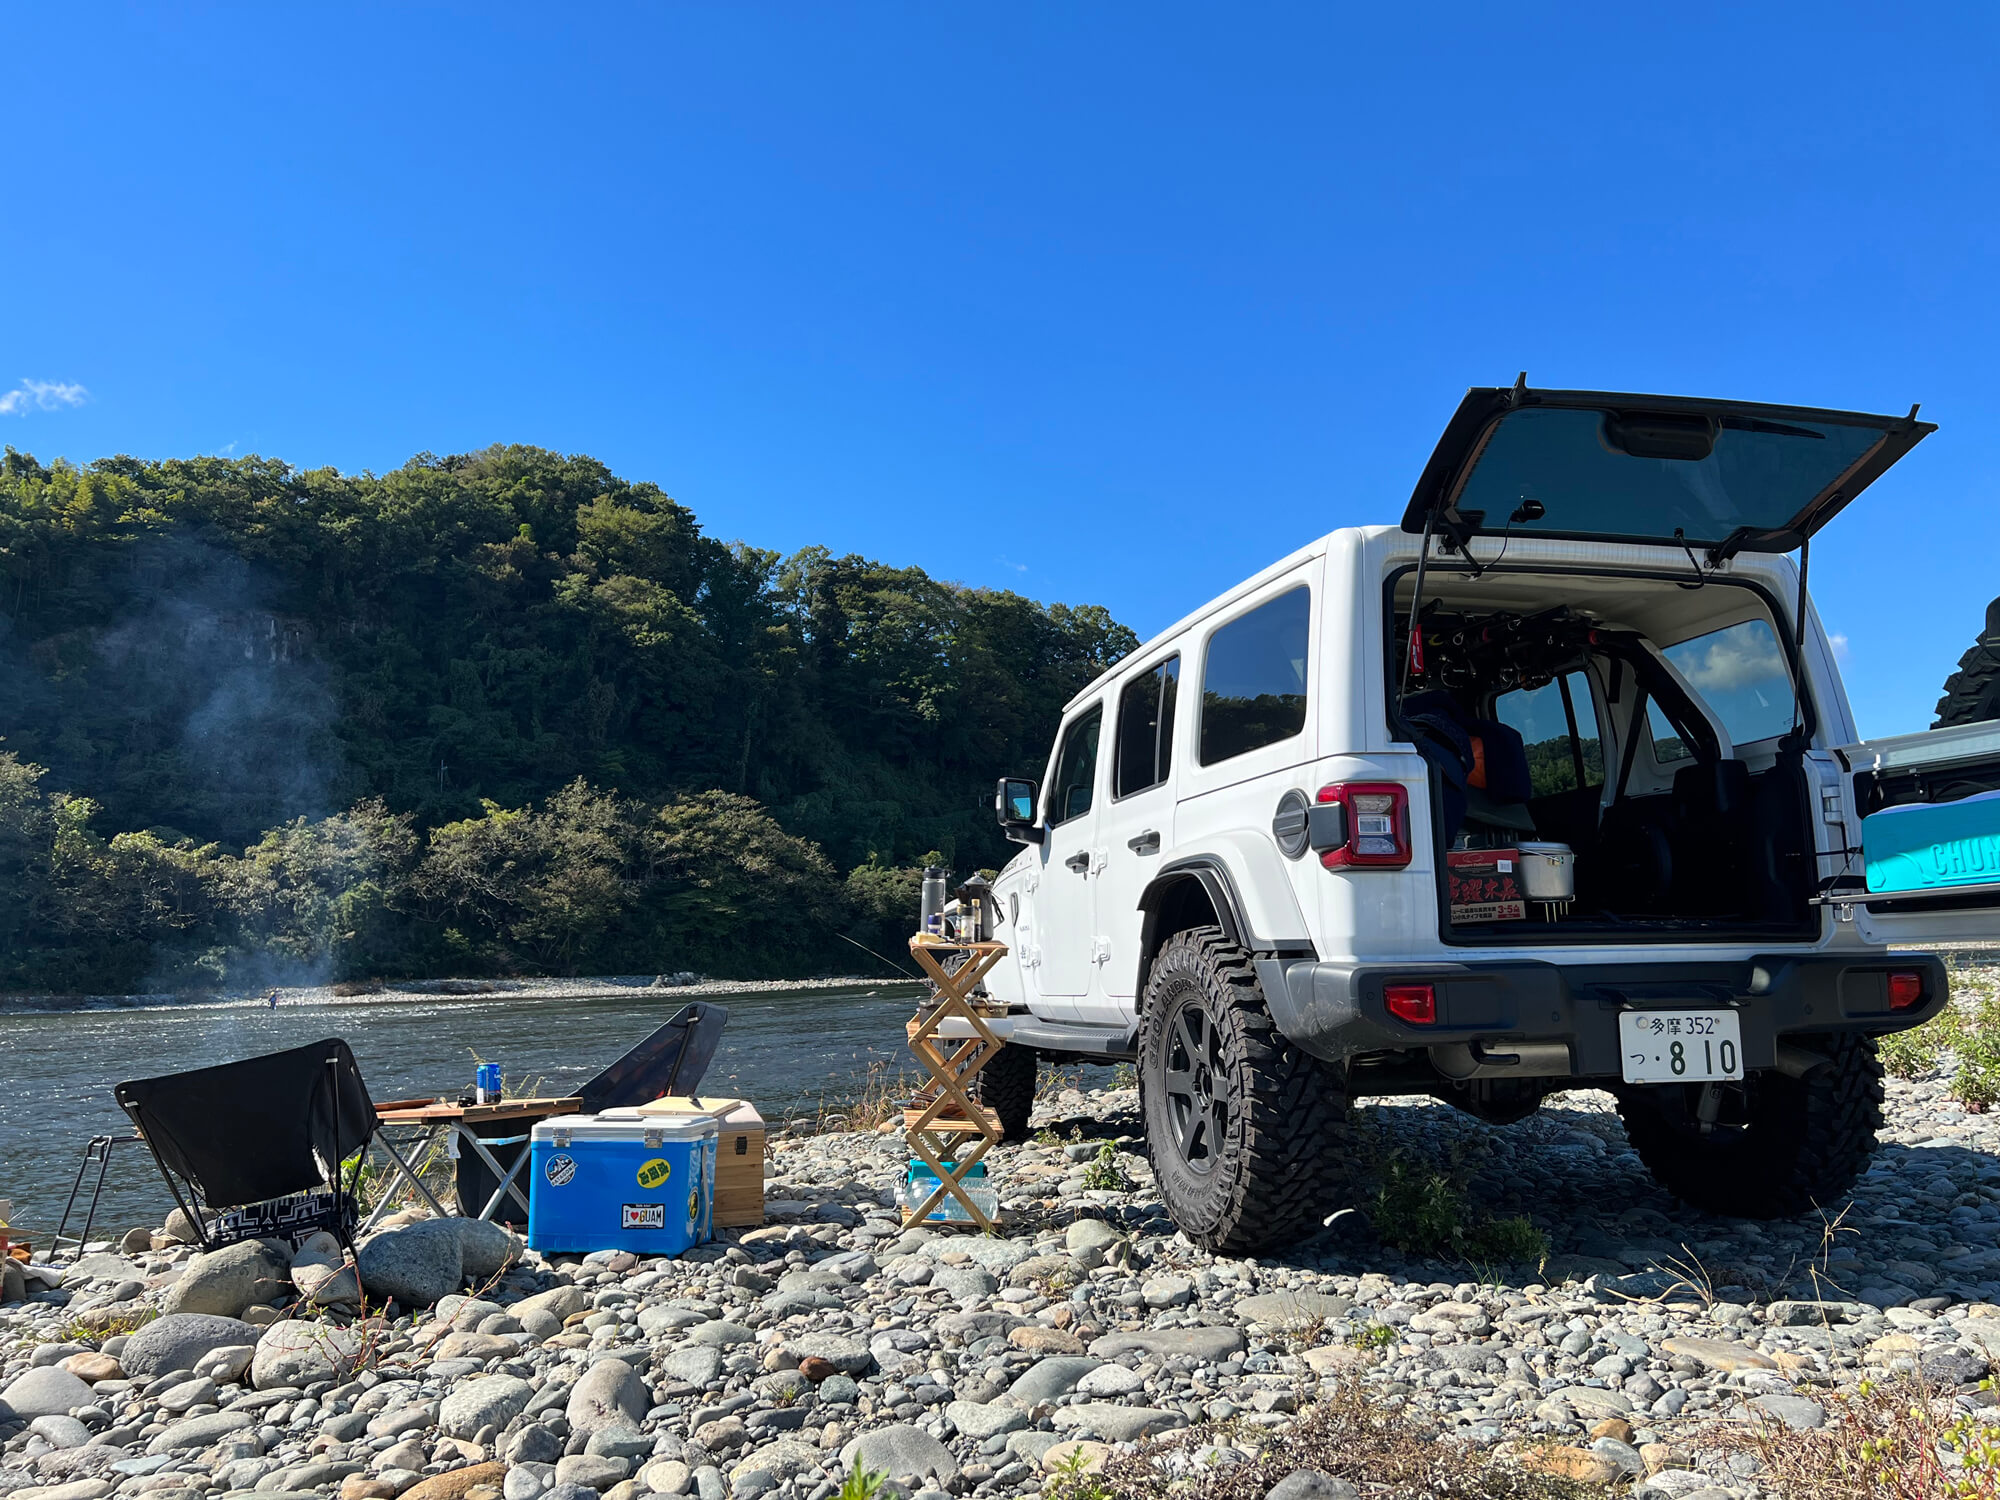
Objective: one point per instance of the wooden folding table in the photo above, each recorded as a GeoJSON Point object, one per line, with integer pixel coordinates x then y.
{"type": "Point", "coordinates": [428, 1119]}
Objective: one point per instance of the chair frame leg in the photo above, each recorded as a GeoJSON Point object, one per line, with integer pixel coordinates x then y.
{"type": "Point", "coordinates": [403, 1173]}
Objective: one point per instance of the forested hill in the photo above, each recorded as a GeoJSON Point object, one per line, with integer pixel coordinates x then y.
{"type": "Point", "coordinates": [500, 709]}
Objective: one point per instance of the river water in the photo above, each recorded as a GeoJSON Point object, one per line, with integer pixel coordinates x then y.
{"type": "Point", "coordinates": [786, 1050]}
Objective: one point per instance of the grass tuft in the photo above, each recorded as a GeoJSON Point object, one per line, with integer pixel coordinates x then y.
{"type": "Point", "coordinates": [1891, 1441]}
{"type": "Point", "coordinates": [1420, 1210]}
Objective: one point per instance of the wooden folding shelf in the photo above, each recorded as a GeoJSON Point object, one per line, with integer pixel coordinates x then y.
{"type": "Point", "coordinates": [952, 1133]}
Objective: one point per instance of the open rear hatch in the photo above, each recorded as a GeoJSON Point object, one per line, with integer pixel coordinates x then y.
{"type": "Point", "coordinates": [1927, 868]}
{"type": "Point", "coordinates": [1722, 476]}
{"type": "Point", "coordinates": [1914, 831]}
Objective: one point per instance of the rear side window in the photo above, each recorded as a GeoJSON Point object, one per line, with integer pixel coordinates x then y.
{"type": "Point", "coordinates": [1253, 678]}
{"type": "Point", "coordinates": [1146, 729]}
{"type": "Point", "coordinates": [1740, 673]}
{"type": "Point", "coordinates": [1560, 737]}
{"type": "Point", "coordinates": [1076, 767]}
{"type": "Point", "coordinates": [1669, 748]}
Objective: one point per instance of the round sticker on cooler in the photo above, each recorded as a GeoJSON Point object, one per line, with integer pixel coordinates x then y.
{"type": "Point", "coordinates": [694, 1204]}
{"type": "Point", "coordinates": [559, 1170]}
{"type": "Point", "coordinates": [655, 1172]}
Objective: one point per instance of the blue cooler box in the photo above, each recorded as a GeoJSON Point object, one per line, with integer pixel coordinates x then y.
{"type": "Point", "coordinates": [621, 1181]}
{"type": "Point", "coordinates": [1926, 846]}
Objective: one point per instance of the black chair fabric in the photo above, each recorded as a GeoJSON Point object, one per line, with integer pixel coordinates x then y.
{"type": "Point", "coordinates": [670, 1061]}
{"type": "Point", "coordinates": [242, 1132]}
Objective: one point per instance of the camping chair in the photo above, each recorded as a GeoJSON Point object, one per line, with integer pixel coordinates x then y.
{"type": "Point", "coordinates": [670, 1061]}
{"type": "Point", "coordinates": [260, 1142]}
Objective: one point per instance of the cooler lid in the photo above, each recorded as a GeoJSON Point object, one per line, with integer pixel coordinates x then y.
{"type": "Point", "coordinates": [626, 1125]}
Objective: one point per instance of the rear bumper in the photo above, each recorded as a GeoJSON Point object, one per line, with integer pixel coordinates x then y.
{"type": "Point", "coordinates": [1335, 1010]}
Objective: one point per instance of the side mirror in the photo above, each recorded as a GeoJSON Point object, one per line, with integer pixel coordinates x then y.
{"type": "Point", "coordinates": [1015, 802]}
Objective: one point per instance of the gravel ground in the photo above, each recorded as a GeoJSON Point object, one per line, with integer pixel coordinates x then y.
{"type": "Point", "coordinates": [776, 1361]}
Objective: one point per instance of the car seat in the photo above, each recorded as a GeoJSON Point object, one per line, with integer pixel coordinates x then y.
{"type": "Point", "coordinates": [1482, 764]}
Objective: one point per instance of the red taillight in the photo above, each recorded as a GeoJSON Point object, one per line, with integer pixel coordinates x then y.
{"type": "Point", "coordinates": [1414, 1003]}
{"type": "Point", "coordinates": [1374, 832]}
{"type": "Point", "coordinates": [1906, 988]}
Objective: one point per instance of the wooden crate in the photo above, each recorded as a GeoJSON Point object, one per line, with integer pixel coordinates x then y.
{"type": "Point", "coordinates": [739, 1156]}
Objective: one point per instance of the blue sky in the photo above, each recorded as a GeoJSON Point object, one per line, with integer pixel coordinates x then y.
{"type": "Point", "coordinates": [1109, 303]}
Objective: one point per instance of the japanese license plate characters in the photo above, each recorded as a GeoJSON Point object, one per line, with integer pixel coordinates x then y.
{"type": "Point", "coordinates": [1680, 1046]}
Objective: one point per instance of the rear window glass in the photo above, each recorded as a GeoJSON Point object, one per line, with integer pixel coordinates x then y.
{"type": "Point", "coordinates": [1759, 474]}
{"type": "Point", "coordinates": [1740, 673]}
{"type": "Point", "coordinates": [1253, 679]}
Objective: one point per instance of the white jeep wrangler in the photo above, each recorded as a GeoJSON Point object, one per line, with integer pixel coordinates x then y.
{"type": "Point", "coordinates": [1590, 822]}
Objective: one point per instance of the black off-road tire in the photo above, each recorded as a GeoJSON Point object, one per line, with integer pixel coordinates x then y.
{"type": "Point", "coordinates": [1007, 1087]}
{"type": "Point", "coordinates": [1244, 1129]}
{"type": "Point", "coordinates": [1972, 693]}
{"type": "Point", "coordinates": [1783, 1146]}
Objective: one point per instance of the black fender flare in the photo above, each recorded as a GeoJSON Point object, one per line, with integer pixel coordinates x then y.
{"type": "Point", "coordinates": [1212, 875]}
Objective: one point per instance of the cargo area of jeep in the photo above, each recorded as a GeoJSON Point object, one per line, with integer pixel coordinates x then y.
{"type": "Point", "coordinates": [1552, 786]}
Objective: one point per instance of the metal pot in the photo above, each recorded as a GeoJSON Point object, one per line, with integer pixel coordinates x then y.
{"type": "Point", "coordinates": [1548, 872]}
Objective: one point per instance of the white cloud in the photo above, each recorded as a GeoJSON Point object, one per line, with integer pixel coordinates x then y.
{"type": "Point", "coordinates": [1839, 644]}
{"type": "Point", "coordinates": [1738, 657]}
{"type": "Point", "coordinates": [41, 395]}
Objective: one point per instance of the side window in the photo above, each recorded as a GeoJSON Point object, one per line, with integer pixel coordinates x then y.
{"type": "Point", "coordinates": [1668, 746]}
{"type": "Point", "coordinates": [1560, 736]}
{"type": "Point", "coordinates": [1253, 678]}
{"type": "Point", "coordinates": [1741, 674]}
{"type": "Point", "coordinates": [1076, 767]}
{"type": "Point", "coordinates": [1146, 729]}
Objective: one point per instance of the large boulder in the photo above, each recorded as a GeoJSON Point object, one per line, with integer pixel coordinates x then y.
{"type": "Point", "coordinates": [485, 1248]}
{"type": "Point", "coordinates": [297, 1352]}
{"type": "Point", "coordinates": [490, 1402]}
{"type": "Point", "coordinates": [178, 1341]}
{"type": "Point", "coordinates": [226, 1281]}
{"type": "Point", "coordinates": [415, 1263]}
{"type": "Point", "coordinates": [47, 1392]}
{"type": "Point", "coordinates": [608, 1394]}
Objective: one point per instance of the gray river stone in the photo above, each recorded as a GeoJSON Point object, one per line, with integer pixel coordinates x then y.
{"type": "Point", "coordinates": [226, 1281]}
{"type": "Point", "coordinates": [298, 1352]}
{"type": "Point", "coordinates": [495, 1400]}
{"type": "Point", "coordinates": [1119, 1424]}
{"type": "Point", "coordinates": [179, 1341]}
{"type": "Point", "coordinates": [1293, 1309]}
{"type": "Point", "coordinates": [608, 1394]}
{"type": "Point", "coordinates": [1209, 1344]}
{"type": "Point", "coordinates": [199, 1432]}
{"type": "Point", "coordinates": [900, 1450]}
{"type": "Point", "coordinates": [698, 1365]}
{"type": "Point", "coordinates": [47, 1392]}
{"type": "Point", "coordinates": [850, 1356]}
{"type": "Point", "coordinates": [415, 1263]}
{"type": "Point", "coordinates": [1049, 1378]}
{"type": "Point", "coordinates": [982, 1420]}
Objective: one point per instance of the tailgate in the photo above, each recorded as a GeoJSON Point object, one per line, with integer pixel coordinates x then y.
{"type": "Point", "coordinates": [1925, 866]}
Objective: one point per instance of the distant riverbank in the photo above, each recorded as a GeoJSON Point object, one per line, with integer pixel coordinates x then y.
{"type": "Point", "coordinates": [596, 987]}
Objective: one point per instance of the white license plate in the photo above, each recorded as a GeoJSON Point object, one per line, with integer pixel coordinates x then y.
{"type": "Point", "coordinates": [1680, 1046]}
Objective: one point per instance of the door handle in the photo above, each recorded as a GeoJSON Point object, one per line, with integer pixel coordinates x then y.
{"type": "Point", "coordinates": [1146, 843]}
{"type": "Point", "coordinates": [1079, 861]}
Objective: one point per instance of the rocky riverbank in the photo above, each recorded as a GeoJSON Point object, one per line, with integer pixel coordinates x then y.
{"type": "Point", "coordinates": [780, 1361]}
